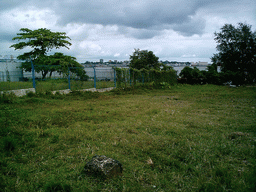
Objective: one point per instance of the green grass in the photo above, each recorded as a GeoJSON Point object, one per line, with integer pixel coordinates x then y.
{"type": "Point", "coordinates": [5, 86]}
{"type": "Point", "coordinates": [55, 84]}
{"type": "Point", "coordinates": [186, 138]}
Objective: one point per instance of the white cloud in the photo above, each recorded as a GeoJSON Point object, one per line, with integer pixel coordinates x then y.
{"type": "Point", "coordinates": [106, 29]}
{"type": "Point", "coordinates": [90, 46]}
{"type": "Point", "coordinates": [31, 17]}
{"type": "Point", "coordinates": [116, 54]}
{"type": "Point", "coordinates": [188, 56]}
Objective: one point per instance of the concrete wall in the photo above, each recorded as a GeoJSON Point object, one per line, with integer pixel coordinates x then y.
{"type": "Point", "coordinates": [23, 92]}
{"type": "Point", "coordinates": [19, 92]}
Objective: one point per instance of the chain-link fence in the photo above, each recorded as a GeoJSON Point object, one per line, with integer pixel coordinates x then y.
{"type": "Point", "coordinates": [51, 78]}
{"type": "Point", "coordinates": [157, 78]}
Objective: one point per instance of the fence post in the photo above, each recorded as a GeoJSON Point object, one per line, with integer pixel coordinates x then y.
{"type": "Point", "coordinates": [69, 84]}
{"type": "Point", "coordinates": [33, 74]}
{"type": "Point", "coordinates": [130, 77]}
{"type": "Point", "coordinates": [94, 77]}
{"type": "Point", "coordinates": [8, 79]}
{"type": "Point", "coordinates": [115, 76]}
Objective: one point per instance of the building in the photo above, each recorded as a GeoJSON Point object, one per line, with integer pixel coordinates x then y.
{"type": "Point", "coordinates": [200, 63]}
{"type": "Point", "coordinates": [10, 71]}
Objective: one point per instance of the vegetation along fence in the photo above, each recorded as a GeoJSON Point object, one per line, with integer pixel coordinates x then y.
{"type": "Point", "coordinates": [50, 78]}
{"type": "Point", "coordinates": [157, 78]}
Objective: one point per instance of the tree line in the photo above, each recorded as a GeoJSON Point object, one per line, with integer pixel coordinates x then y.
{"type": "Point", "coordinates": [236, 56]}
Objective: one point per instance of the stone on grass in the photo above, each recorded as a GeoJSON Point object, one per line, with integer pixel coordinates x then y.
{"type": "Point", "coordinates": [104, 167]}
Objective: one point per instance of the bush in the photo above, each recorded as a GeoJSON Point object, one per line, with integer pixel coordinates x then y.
{"type": "Point", "coordinates": [191, 76]}
{"type": "Point", "coordinates": [125, 77]}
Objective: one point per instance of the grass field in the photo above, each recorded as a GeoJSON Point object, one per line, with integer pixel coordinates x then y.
{"type": "Point", "coordinates": [185, 138]}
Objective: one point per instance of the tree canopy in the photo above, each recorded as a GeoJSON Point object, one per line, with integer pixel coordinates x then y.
{"type": "Point", "coordinates": [58, 62]}
{"type": "Point", "coordinates": [192, 75]}
{"type": "Point", "coordinates": [144, 59]}
{"type": "Point", "coordinates": [236, 55]}
{"type": "Point", "coordinates": [186, 73]}
{"type": "Point", "coordinates": [42, 41]}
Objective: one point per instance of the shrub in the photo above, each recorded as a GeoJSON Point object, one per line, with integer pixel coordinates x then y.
{"type": "Point", "coordinates": [131, 76]}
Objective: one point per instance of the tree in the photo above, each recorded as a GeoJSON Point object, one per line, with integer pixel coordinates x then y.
{"type": "Point", "coordinates": [237, 52]}
{"type": "Point", "coordinates": [42, 41]}
{"type": "Point", "coordinates": [63, 63]}
{"type": "Point", "coordinates": [191, 75]}
{"type": "Point", "coordinates": [212, 75]}
{"type": "Point", "coordinates": [186, 73]}
{"type": "Point", "coordinates": [57, 62]}
{"type": "Point", "coordinates": [144, 59]}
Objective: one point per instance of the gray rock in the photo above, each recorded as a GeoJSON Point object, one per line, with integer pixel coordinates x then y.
{"type": "Point", "coordinates": [102, 166]}
{"type": "Point", "coordinates": [19, 92]}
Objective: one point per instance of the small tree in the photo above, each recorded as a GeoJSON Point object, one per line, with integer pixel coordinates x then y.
{"type": "Point", "coordinates": [191, 75]}
{"type": "Point", "coordinates": [186, 73]}
{"type": "Point", "coordinates": [144, 59]}
{"type": "Point", "coordinates": [237, 52]}
{"type": "Point", "coordinates": [42, 41]}
{"type": "Point", "coordinates": [212, 75]}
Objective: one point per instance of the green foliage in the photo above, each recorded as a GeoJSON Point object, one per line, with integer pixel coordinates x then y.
{"type": "Point", "coordinates": [212, 76]}
{"type": "Point", "coordinates": [5, 86]}
{"type": "Point", "coordinates": [122, 76]}
{"type": "Point", "coordinates": [43, 41]}
{"type": "Point", "coordinates": [77, 83]}
{"type": "Point", "coordinates": [127, 77]}
{"type": "Point", "coordinates": [186, 73]}
{"type": "Point", "coordinates": [144, 59]}
{"type": "Point", "coordinates": [237, 52]}
{"type": "Point", "coordinates": [58, 62]}
{"type": "Point", "coordinates": [236, 78]}
{"type": "Point", "coordinates": [7, 98]}
{"type": "Point", "coordinates": [192, 75]}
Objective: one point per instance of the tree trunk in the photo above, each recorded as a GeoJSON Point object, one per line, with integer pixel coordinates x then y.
{"type": "Point", "coordinates": [44, 73]}
{"type": "Point", "coordinates": [51, 74]}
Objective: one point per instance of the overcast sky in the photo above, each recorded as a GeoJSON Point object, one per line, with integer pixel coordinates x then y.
{"type": "Point", "coordinates": [175, 30]}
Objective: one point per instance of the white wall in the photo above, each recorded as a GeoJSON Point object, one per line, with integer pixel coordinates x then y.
{"type": "Point", "coordinates": [9, 71]}
{"type": "Point", "coordinates": [10, 66]}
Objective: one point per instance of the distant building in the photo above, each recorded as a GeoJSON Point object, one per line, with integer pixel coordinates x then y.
{"type": "Point", "coordinates": [101, 61]}
{"type": "Point", "coordinates": [200, 63]}
{"type": "Point", "coordinates": [10, 71]}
